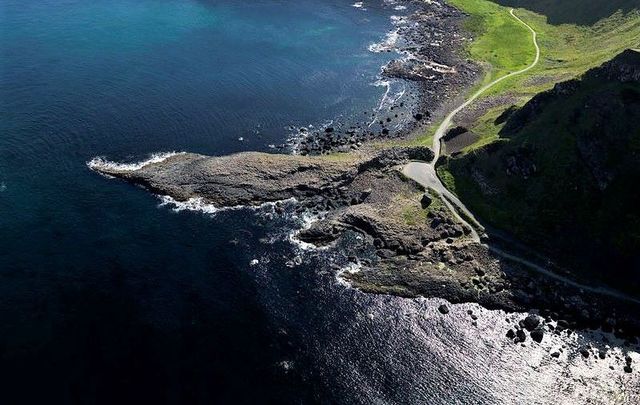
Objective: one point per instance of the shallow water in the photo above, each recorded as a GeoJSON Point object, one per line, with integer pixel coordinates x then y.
{"type": "Point", "coordinates": [106, 295]}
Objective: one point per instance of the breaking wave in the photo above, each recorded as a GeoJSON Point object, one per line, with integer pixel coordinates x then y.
{"type": "Point", "coordinates": [100, 163]}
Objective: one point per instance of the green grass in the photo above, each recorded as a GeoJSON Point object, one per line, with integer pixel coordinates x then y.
{"type": "Point", "coordinates": [415, 215]}
{"type": "Point", "coordinates": [502, 45]}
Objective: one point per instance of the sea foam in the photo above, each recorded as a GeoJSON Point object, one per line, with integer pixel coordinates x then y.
{"type": "Point", "coordinates": [99, 163]}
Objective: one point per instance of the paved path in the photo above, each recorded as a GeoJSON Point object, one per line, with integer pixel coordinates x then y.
{"type": "Point", "coordinates": [425, 174]}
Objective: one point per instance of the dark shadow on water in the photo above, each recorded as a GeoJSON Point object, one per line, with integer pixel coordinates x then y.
{"type": "Point", "coordinates": [92, 343]}
{"type": "Point", "coordinates": [578, 12]}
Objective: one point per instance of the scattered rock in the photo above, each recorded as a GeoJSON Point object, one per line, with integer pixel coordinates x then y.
{"type": "Point", "coordinates": [584, 351]}
{"type": "Point", "coordinates": [537, 335]}
{"type": "Point", "coordinates": [443, 309]}
{"type": "Point", "coordinates": [531, 322]}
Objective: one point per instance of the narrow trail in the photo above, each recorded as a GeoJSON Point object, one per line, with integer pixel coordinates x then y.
{"type": "Point", "coordinates": [425, 174]}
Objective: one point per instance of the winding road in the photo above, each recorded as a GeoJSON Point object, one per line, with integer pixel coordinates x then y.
{"type": "Point", "coordinates": [425, 174]}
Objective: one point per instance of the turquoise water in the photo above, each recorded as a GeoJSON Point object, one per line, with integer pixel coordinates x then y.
{"type": "Point", "coordinates": [103, 294]}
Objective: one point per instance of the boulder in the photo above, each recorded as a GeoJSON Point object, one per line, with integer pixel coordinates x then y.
{"type": "Point", "coordinates": [531, 322]}
{"type": "Point", "coordinates": [426, 200]}
{"type": "Point", "coordinates": [537, 335]}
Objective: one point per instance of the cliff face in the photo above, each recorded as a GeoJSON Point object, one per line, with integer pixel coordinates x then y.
{"type": "Point", "coordinates": [565, 174]}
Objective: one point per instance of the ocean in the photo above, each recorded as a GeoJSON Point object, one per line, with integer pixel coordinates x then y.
{"type": "Point", "coordinates": [110, 295]}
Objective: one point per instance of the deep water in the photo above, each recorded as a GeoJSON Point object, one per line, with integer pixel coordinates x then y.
{"type": "Point", "coordinates": [102, 294]}
{"type": "Point", "coordinates": [107, 297]}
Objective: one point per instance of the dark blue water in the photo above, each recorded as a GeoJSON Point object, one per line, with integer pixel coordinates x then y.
{"type": "Point", "coordinates": [106, 298]}
{"type": "Point", "coordinates": [104, 295]}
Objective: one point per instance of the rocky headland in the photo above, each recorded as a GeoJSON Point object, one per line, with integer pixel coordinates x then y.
{"type": "Point", "coordinates": [420, 249]}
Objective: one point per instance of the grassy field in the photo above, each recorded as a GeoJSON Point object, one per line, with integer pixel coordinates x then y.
{"type": "Point", "coordinates": [502, 45]}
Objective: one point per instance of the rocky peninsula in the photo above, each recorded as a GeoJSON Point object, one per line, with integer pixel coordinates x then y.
{"type": "Point", "coordinates": [420, 248]}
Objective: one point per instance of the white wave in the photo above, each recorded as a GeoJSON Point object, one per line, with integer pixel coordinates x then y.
{"type": "Point", "coordinates": [192, 204]}
{"type": "Point", "coordinates": [350, 268]}
{"type": "Point", "coordinates": [388, 43]}
{"type": "Point", "coordinates": [99, 162]}
{"type": "Point", "coordinates": [390, 97]}
{"type": "Point", "coordinates": [358, 4]}
{"type": "Point", "coordinates": [198, 204]}
{"type": "Point", "coordinates": [307, 221]}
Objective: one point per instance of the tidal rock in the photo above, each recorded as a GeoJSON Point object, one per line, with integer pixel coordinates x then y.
{"type": "Point", "coordinates": [443, 309]}
{"type": "Point", "coordinates": [521, 336]}
{"type": "Point", "coordinates": [531, 322]}
{"type": "Point", "coordinates": [537, 335]}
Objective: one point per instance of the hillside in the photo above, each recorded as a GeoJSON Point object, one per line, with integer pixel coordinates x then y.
{"type": "Point", "coordinates": [564, 173]}
{"type": "Point", "coordinates": [574, 11]}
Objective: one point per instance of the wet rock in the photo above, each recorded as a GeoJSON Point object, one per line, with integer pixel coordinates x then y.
{"type": "Point", "coordinates": [627, 369]}
{"type": "Point", "coordinates": [584, 351]}
{"type": "Point", "coordinates": [443, 309]}
{"type": "Point", "coordinates": [511, 334]}
{"type": "Point", "coordinates": [537, 335]}
{"type": "Point", "coordinates": [531, 322]}
{"type": "Point", "coordinates": [555, 354]}
{"type": "Point", "coordinates": [521, 336]}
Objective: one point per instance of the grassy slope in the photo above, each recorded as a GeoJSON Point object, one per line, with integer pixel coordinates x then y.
{"type": "Point", "coordinates": [503, 45]}
{"type": "Point", "coordinates": [562, 197]}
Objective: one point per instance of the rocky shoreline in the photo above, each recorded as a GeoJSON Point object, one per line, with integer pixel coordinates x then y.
{"type": "Point", "coordinates": [418, 247]}
{"type": "Point", "coordinates": [428, 42]}
{"type": "Point", "coordinates": [420, 250]}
